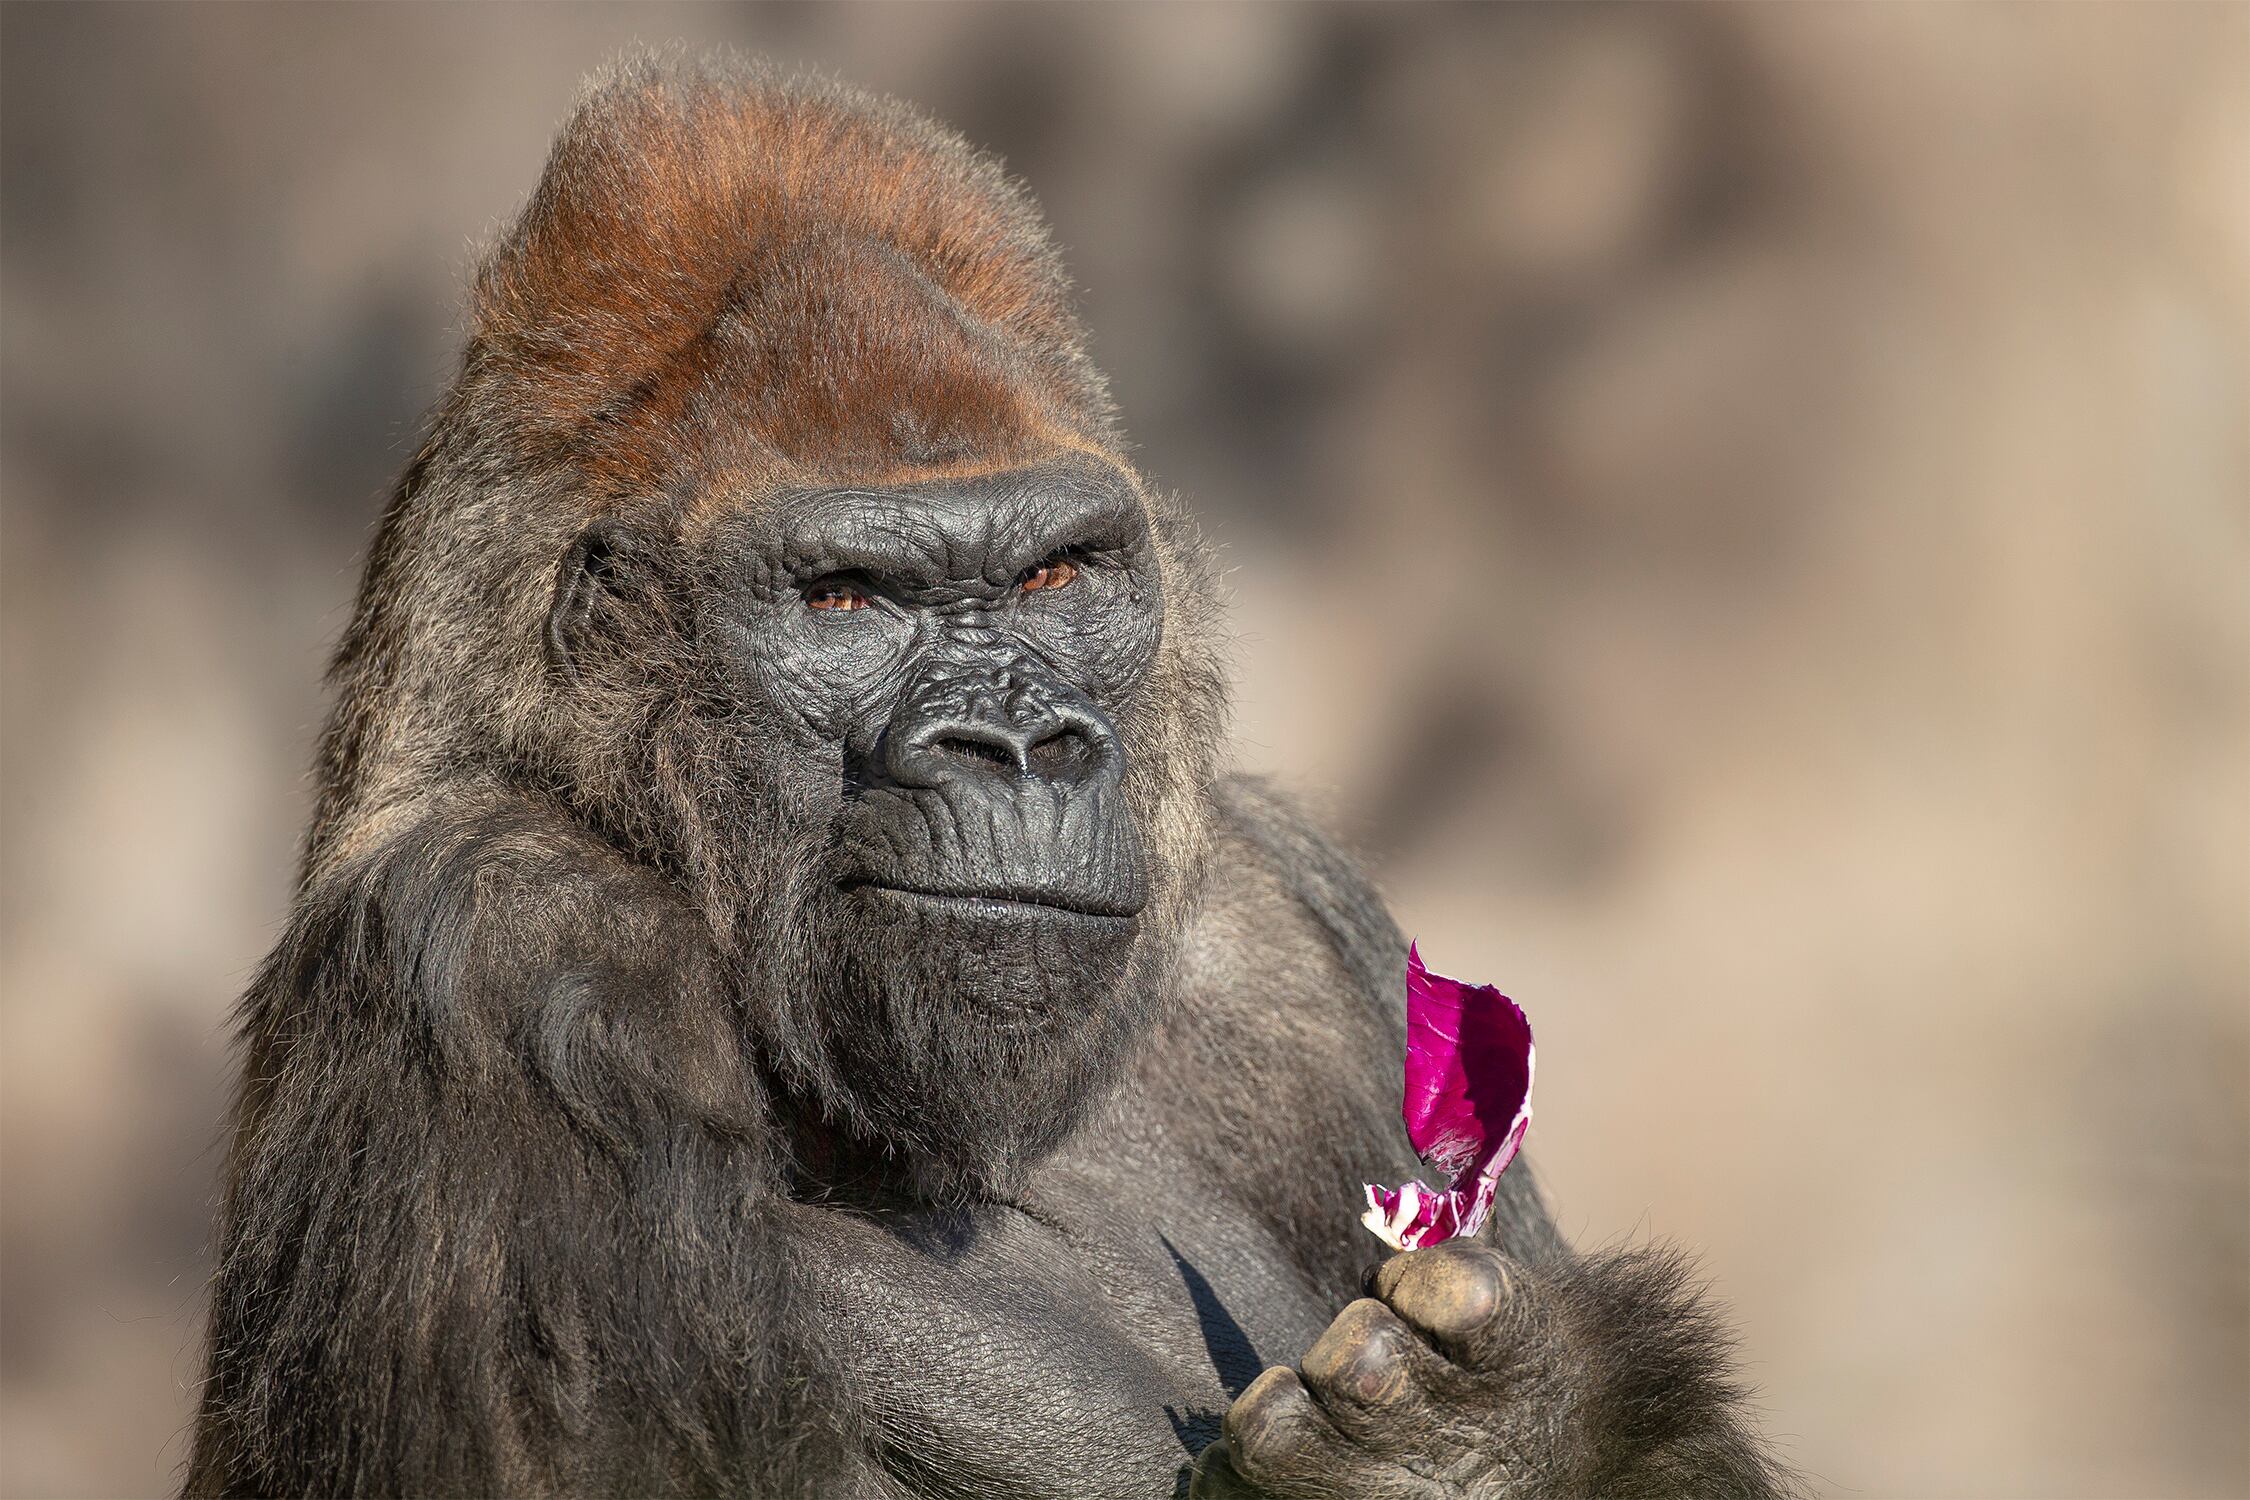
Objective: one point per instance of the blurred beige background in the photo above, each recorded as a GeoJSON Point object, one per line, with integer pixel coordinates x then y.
{"type": "Point", "coordinates": [1744, 513]}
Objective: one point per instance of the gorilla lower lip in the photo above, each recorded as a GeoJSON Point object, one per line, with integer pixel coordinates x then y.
{"type": "Point", "coordinates": [998, 903]}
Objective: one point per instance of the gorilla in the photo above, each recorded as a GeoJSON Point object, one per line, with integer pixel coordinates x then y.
{"type": "Point", "coordinates": [783, 997]}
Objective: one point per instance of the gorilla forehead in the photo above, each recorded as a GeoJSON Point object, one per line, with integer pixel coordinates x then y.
{"type": "Point", "coordinates": [963, 531]}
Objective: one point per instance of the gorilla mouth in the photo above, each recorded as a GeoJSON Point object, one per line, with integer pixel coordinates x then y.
{"type": "Point", "coordinates": [1004, 901]}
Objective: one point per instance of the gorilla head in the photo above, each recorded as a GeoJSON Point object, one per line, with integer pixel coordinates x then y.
{"type": "Point", "coordinates": [856, 620]}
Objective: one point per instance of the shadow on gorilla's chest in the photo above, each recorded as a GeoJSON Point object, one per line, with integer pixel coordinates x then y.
{"type": "Point", "coordinates": [1084, 1352]}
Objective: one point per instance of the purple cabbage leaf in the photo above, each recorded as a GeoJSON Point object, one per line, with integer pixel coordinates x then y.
{"type": "Point", "coordinates": [1467, 1106]}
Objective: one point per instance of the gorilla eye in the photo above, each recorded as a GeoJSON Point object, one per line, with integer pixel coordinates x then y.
{"type": "Point", "coordinates": [1048, 575]}
{"type": "Point", "coordinates": [834, 596]}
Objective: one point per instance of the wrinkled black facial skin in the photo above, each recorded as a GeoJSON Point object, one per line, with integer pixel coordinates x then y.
{"type": "Point", "coordinates": [969, 920]}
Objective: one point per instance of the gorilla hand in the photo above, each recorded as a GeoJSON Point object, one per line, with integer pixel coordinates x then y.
{"type": "Point", "coordinates": [1472, 1376]}
{"type": "Point", "coordinates": [1422, 1393]}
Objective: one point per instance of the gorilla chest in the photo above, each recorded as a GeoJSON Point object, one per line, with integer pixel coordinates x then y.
{"type": "Point", "coordinates": [1002, 1354]}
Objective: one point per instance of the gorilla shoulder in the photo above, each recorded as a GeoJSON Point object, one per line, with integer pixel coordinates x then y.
{"type": "Point", "coordinates": [1266, 834]}
{"type": "Point", "coordinates": [1281, 1057]}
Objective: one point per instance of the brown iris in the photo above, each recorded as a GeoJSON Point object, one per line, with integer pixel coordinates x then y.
{"type": "Point", "coordinates": [835, 596]}
{"type": "Point", "coordinates": [1048, 575]}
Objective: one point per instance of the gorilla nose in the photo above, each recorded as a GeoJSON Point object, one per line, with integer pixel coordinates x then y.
{"type": "Point", "coordinates": [998, 727]}
{"type": "Point", "coordinates": [1063, 746]}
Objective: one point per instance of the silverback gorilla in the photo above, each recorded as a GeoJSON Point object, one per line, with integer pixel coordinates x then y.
{"type": "Point", "coordinates": [782, 996]}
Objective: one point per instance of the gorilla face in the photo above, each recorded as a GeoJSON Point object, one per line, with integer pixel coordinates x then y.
{"type": "Point", "coordinates": [949, 652]}
{"type": "Point", "coordinates": [928, 681]}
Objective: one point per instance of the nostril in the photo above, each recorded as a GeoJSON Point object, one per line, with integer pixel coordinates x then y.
{"type": "Point", "coordinates": [1059, 754]}
{"type": "Point", "coordinates": [971, 748]}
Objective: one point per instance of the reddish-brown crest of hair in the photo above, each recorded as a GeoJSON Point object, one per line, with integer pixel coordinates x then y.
{"type": "Point", "coordinates": [717, 257]}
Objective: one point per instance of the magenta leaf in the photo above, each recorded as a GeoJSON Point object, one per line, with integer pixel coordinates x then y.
{"type": "Point", "coordinates": [1468, 1103]}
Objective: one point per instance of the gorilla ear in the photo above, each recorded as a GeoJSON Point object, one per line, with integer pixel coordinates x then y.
{"type": "Point", "coordinates": [598, 566]}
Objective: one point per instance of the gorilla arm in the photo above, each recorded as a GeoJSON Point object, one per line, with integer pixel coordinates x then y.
{"type": "Point", "coordinates": [500, 1217]}
{"type": "Point", "coordinates": [1514, 1368]}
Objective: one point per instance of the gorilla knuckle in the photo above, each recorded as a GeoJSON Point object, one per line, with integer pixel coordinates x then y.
{"type": "Point", "coordinates": [1271, 1424]}
{"type": "Point", "coordinates": [1214, 1477]}
{"type": "Point", "coordinates": [1452, 1292]}
{"type": "Point", "coordinates": [1362, 1357]}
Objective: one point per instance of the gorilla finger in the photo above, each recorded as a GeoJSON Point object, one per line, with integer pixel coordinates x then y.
{"type": "Point", "coordinates": [1214, 1477]}
{"type": "Point", "coordinates": [1378, 1381]}
{"type": "Point", "coordinates": [1457, 1294]}
{"type": "Point", "coordinates": [1284, 1447]}
{"type": "Point", "coordinates": [1364, 1363]}
{"type": "Point", "coordinates": [1278, 1439]}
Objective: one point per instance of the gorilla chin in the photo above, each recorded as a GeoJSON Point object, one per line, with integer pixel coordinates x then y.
{"type": "Point", "coordinates": [974, 1031]}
